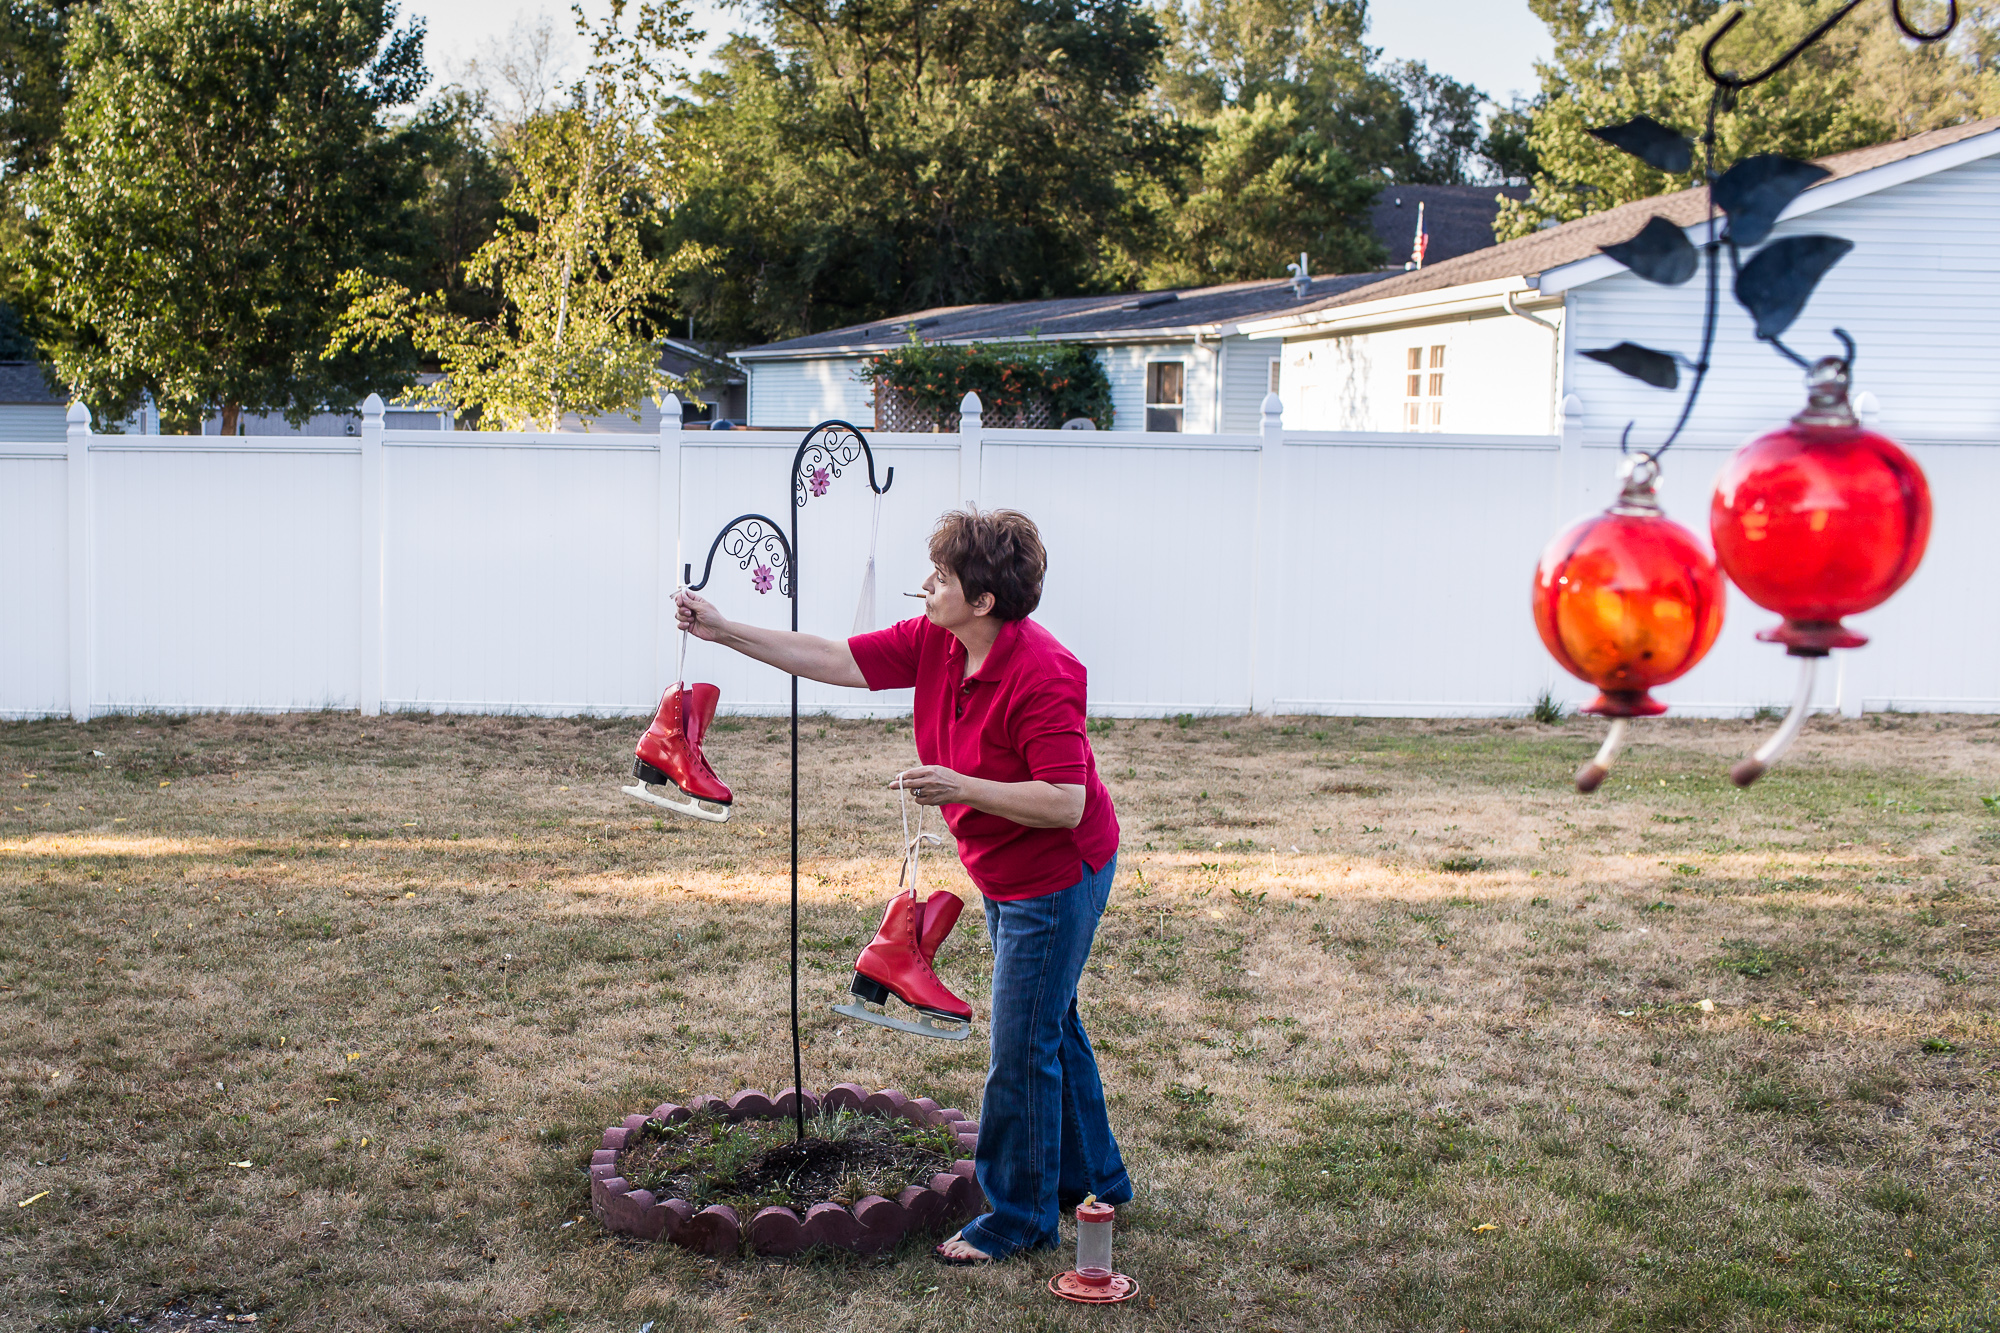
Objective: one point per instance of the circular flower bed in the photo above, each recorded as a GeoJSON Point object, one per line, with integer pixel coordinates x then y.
{"type": "Point", "coordinates": [869, 1226]}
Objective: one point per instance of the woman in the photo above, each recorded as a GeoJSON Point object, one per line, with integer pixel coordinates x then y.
{"type": "Point", "coordinates": [1000, 732]}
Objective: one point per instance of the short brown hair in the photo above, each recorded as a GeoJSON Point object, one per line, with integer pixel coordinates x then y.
{"type": "Point", "coordinates": [998, 552]}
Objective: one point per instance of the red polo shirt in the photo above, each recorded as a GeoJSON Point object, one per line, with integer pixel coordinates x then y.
{"type": "Point", "coordinates": [1019, 719]}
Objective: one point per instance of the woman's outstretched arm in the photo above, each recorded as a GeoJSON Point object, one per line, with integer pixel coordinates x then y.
{"type": "Point", "coordinates": [825, 660]}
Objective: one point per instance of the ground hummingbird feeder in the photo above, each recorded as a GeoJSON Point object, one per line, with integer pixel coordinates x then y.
{"type": "Point", "coordinates": [1093, 1281]}
{"type": "Point", "coordinates": [1626, 600]}
{"type": "Point", "coordinates": [1817, 520]}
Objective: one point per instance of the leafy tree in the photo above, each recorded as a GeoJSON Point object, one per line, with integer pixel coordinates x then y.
{"type": "Point", "coordinates": [1297, 124]}
{"type": "Point", "coordinates": [1268, 186]}
{"type": "Point", "coordinates": [32, 93]}
{"type": "Point", "coordinates": [458, 202]}
{"type": "Point", "coordinates": [1862, 84]}
{"type": "Point", "coordinates": [575, 289]}
{"type": "Point", "coordinates": [31, 83]}
{"type": "Point", "coordinates": [1508, 150]}
{"type": "Point", "coordinates": [1442, 146]}
{"type": "Point", "coordinates": [219, 165]}
{"type": "Point", "coordinates": [882, 155]}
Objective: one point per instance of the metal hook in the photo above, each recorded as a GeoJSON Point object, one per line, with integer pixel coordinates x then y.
{"type": "Point", "coordinates": [1918, 34]}
{"type": "Point", "coordinates": [1788, 353]}
{"type": "Point", "coordinates": [1848, 344]}
{"type": "Point", "coordinates": [1734, 84]}
{"type": "Point", "coordinates": [1624, 445]}
{"type": "Point", "coordinates": [825, 431]}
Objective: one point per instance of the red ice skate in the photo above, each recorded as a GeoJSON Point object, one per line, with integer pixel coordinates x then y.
{"type": "Point", "coordinates": [672, 771]}
{"type": "Point", "coordinates": [898, 962]}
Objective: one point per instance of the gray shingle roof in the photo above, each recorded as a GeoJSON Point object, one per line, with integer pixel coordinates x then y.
{"type": "Point", "coordinates": [1074, 318]}
{"type": "Point", "coordinates": [1458, 218]}
{"type": "Point", "coordinates": [678, 358]}
{"type": "Point", "coordinates": [23, 382]}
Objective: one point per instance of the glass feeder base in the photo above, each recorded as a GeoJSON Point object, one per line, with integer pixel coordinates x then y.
{"type": "Point", "coordinates": [1071, 1287]}
{"type": "Point", "coordinates": [1812, 638]}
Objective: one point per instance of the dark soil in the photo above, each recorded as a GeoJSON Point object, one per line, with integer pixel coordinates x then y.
{"type": "Point", "coordinates": [758, 1163]}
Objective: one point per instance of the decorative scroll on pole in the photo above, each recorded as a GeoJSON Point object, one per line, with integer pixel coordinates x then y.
{"type": "Point", "coordinates": [758, 544]}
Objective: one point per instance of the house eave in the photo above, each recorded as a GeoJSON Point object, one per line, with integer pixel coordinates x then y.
{"type": "Point", "coordinates": [1414, 308]}
{"type": "Point", "coordinates": [1108, 337]}
{"type": "Point", "coordinates": [1596, 268]}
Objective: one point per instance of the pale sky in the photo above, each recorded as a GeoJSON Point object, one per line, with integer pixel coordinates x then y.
{"type": "Point", "coordinates": [1491, 44]}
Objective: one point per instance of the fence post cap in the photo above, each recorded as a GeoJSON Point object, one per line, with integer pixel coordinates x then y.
{"type": "Point", "coordinates": [670, 409]}
{"type": "Point", "coordinates": [969, 405]}
{"type": "Point", "coordinates": [78, 414]}
{"type": "Point", "coordinates": [1273, 406]}
{"type": "Point", "coordinates": [372, 407]}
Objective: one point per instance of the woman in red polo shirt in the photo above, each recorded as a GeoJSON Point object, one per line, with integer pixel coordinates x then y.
{"type": "Point", "coordinates": [1000, 729]}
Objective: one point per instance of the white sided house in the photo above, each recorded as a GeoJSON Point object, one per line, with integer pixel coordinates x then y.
{"type": "Point", "coordinates": [1491, 342]}
{"type": "Point", "coordinates": [1177, 360]}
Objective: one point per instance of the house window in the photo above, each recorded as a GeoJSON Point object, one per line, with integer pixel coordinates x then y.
{"type": "Point", "coordinates": [1277, 367]}
{"type": "Point", "coordinates": [1165, 384]}
{"type": "Point", "coordinates": [1423, 389]}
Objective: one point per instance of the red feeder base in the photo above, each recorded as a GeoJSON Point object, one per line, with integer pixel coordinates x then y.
{"type": "Point", "coordinates": [1624, 703]}
{"type": "Point", "coordinates": [1071, 1287]}
{"type": "Point", "coordinates": [1812, 638]}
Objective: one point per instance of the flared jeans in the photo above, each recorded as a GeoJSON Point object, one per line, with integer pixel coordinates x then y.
{"type": "Point", "coordinates": [1044, 1136]}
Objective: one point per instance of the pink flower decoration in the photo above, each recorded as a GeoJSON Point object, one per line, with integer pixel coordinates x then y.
{"type": "Point", "coordinates": [820, 481]}
{"type": "Point", "coordinates": [761, 578]}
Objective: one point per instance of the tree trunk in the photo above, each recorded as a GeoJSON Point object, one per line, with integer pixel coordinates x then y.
{"type": "Point", "coordinates": [231, 412]}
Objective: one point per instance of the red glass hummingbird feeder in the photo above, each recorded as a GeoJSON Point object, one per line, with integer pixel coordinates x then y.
{"type": "Point", "coordinates": [1818, 520]}
{"type": "Point", "coordinates": [1627, 600]}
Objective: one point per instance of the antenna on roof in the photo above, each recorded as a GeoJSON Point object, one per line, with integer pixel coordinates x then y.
{"type": "Point", "coordinates": [1301, 278]}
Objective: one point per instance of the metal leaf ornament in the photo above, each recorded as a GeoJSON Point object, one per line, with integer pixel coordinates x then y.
{"type": "Point", "coordinates": [1659, 369]}
{"type": "Point", "coordinates": [1756, 190]}
{"type": "Point", "coordinates": [1661, 253]}
{"type": "Point", "coordinates": [1654, 144]}
{"type": "Point", "coordinates": [1779, 279]}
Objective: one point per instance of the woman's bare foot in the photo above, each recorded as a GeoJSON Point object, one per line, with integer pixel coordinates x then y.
{"type": "Point", "coordinates": [958, 1248]}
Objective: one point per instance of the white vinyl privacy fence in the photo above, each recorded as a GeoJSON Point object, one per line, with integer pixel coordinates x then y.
{"type": "Point", "coordinates": [1286, 571]}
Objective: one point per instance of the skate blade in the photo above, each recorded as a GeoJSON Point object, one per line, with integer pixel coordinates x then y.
{"type": "Point", "coordinates": [923, 1026]}
{"type": "Point", "coordinates": [684, 805]}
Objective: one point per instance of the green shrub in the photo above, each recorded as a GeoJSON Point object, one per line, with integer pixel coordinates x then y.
{"type": "Point", "coordinates": [1009, 378]}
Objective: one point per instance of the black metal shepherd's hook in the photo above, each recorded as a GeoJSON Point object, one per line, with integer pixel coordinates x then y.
{"type": "Point", "coordinates": [757, 539]}
{"type": "Point", "coordinates": [1735, 84]}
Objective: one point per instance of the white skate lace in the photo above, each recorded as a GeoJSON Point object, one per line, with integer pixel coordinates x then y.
{"type": "Point", "coordinates": [680, 664]}
{"type": "Point", "coordinates": [912, 842]}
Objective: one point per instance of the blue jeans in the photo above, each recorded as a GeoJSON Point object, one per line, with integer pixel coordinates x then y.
{"type": "Point", "coordinates": [1044, 1138]}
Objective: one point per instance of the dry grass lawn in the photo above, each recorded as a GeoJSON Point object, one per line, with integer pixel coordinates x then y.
{"type": "Point", "coordinates": [1401, 1033]}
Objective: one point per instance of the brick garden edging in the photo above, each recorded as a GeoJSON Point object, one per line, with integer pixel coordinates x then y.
{"type": "Point", "coordinates": [874, 1224]}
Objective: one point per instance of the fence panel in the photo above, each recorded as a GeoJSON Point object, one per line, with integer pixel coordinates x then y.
{"type": "Point", "coordinates": [1407, 565]}
{"type": "Point", "coordinates": [520, 572]}
{"type": "Point", "coordinates": [34, 581]}
{"type": "Point", "coordinates": [227, 575]}
{"type": "Point", "coordinates": [533, 574]}
{"type": "Point", "coordinates": [1150, 543]}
